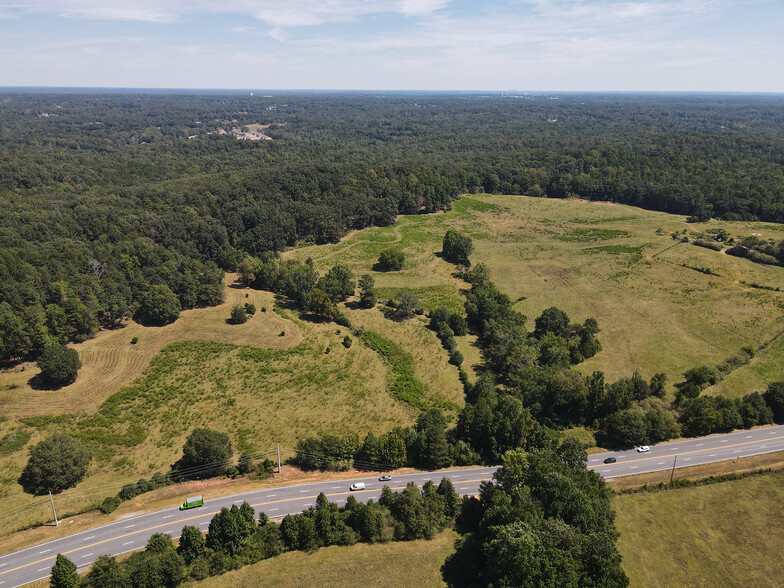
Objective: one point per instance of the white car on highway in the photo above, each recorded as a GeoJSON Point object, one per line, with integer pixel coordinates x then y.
{"type": "Point", "coordinates": [643, 449]}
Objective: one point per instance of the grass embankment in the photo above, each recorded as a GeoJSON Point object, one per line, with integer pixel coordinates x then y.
{"type": "Point", "coordinates": [725, 534]}
{"type": "Point", "coordinates": [594, 260]}
{"type": "Point", "coordinates": [411, 563]}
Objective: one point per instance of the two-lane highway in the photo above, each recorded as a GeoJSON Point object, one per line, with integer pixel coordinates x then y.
{"type": "Point", "coordinates": [689, 452]}
{"type": "Point", "coordinates": [132, 534]}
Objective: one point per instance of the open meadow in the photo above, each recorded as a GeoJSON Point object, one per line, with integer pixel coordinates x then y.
{"type": "Point", "coordinates": [726, 534]}
{"type": "Point", "coordinates": [615, 263]}
{"type": "Point", "coordinates": [278, 378]}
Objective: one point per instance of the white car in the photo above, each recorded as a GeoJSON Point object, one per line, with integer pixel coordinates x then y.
{"type": "Point", "coordinates": [643, 449]}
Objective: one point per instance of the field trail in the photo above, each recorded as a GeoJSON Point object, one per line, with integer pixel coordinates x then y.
{"type": "Point", "coordinates": [110, 361]}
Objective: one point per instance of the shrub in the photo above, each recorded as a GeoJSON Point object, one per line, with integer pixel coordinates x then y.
{"type": "Point", "coordinates": [347, 342]}
{"type": "Point", "coordinates": [391, 260]}
{"type": "Point", "coordinates": [59, 365]}
{"type": "Point", "coordinates": [250, 309]}
{"type": "Point", "coordinates": [238, 315]}
{"type": "Point", "coordinates": [110, 504]}
{"type": "Point", "coordinates": [455, 357]}
{"type": "Point", "coordinates": [134, 340]}
{"type": "Point", "coordinates": [457, 248]}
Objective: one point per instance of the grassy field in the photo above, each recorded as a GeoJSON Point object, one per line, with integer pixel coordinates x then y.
{"type": "Point", "coordinates": [248, 380]}
{"type": "Point", "coordinates": [595, 260]}
{"type": "Point", "coordinates": [412, 563]}
{"type": "Point", "coordinates": [728, 534]}
{"type": "Point", "coordinates": [134, 403]}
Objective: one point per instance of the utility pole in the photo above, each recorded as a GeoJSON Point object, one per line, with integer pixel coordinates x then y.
{"type": "Point", "coordinates": [672, 473]}
{"type": "Point", "coordinates": [278, 446]}
{"type": "Point", "coordinates": [56, 523]}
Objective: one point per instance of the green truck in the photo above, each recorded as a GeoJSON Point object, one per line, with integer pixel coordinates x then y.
{"type": "Point", "coordinates": [192, 502]}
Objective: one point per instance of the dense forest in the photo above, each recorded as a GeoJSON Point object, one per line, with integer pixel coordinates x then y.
{"type": "Point", "coordinates": [105, 196]}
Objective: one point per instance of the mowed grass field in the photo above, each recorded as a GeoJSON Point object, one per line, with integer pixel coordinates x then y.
{"type": "Point", "coordinates": [410, 563]}
{"type": "Point", "coordinates": [596, 260]}
{"type": "Point", "coordinates": [728, 534]}
{"type": "Point", "coordinates": [274, 379]}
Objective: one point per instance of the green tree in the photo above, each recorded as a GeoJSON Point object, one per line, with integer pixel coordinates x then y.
{"type": "Point", "coordinates": [457, 248]}
{"type": "Point", "coordinates": [774, 397]}
{"type": "Point", "coordinates": [247, 269]}
{"type": "Point", "coordinates": [391, 260]}
{"type": "Point", "coordinates": [107, 572]}
{"type": "Point", "coordinates": [322, 306]}
{"type": "Point", "coordinates": [432, 451]}
{"type": "Point", "coordinates": [64, 573]}
{"type": "Point", "coordinates": [338, 283]}
{"type": "Point", "coordinates": [229, 530]}
{"type": "Point", "coordinates": [406, 304]}
{"type": "Point", "coordinates": [367, 293]}
{"type": "Point", "coordinates": [59, 365]}
{"type": "Point", "coordinates": [552, 321]}
{"type": "Point", "coordinates": [158, 306]}
{"type": "Point", "coordinates": [56, 463]}
{"type": "Point", "coordinates": [206, 453]}
{"type": "Point", "coordinates": [238, 315]}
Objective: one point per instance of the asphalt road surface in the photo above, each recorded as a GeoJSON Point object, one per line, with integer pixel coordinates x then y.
{"type": "Point", "coordinates": [34, 563]}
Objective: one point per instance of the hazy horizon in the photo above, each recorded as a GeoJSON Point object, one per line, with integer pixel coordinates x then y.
{"type": "Point", "coordinates": [629, 46]}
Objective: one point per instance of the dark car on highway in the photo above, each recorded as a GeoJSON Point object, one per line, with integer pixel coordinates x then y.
{"type": "Point", "coordinates": [610, 460]}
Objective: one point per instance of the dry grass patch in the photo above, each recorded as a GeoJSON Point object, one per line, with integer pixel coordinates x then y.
{"type": "Point", "coordinates": [412, 563]}
{"type": "Point", "coordinates": [727, 534]}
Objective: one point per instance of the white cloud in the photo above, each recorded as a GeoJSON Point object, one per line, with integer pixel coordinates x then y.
{"type": "Point", "coordinates": [275, 12]}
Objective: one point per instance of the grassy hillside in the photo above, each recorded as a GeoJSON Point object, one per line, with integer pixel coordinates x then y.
{"type": "Point", "coordinates": [602, 260]}
{"type": "Point", "coordinates": [729, 534]}
{"type": "Point", "coordinates": [271, 380]}
{"type": "Point", "coordinates": [412, 563]}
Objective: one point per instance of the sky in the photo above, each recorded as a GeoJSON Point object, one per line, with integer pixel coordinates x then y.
{"type": "Point", "coordinates": [522, 45]}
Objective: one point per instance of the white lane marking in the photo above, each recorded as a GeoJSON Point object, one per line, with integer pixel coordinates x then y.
{"type": "Point", "coordinates": [762, 446]}
{"type": "Point", "coordinates": [45, 569]}
{"type": "Point", "coordinates": [86, 555]}
{"type": "Point", "coordinates": [128, 543]}
{"type": "Point", "coordinates": [699, 445]}
{"type": "Point", "coordinates": [737, 451]}
{"type": "Point", "coordinates": [723, 441]}
{"type": "Point", "coordinates": [238, 501]}
{"type": "Point", "coordinates": [90, 537]}
{"type": "Point", "coordinates": [686, 459]}
{"type": "Point", "coordinates": [204, 523]}
{"type": "Point", "coordinates": [301, 491]}
{"type": "Point", "coordinates": [463, 488]}
{"type": "Point", "coordinates": [747, 437]}
{"type": "Point", "coordinates": [712, 455]}
{"type": "Point", "coordinates": [335, 487]}
{"type": "Point", "coordinates": [271, 495]}
{"type": "Point", "coordinates": [129, 526]}
{"type": "Point", "coordinates": [167, 532]}
{"type": "Point", "coordinates": [660, 463]}
{"type": "Point", "coordinates": [167, 517]}
{"type": "Point", "coordinates": [5, 564]}
{"type": "Point", "coordinates": [45, 551]}
{"type": "Point", "coordinates": [632, 467]}
{"type": "Point", "coordinates": [772, 433]}
{"type": "Point", "coordinates": [274, 509]}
